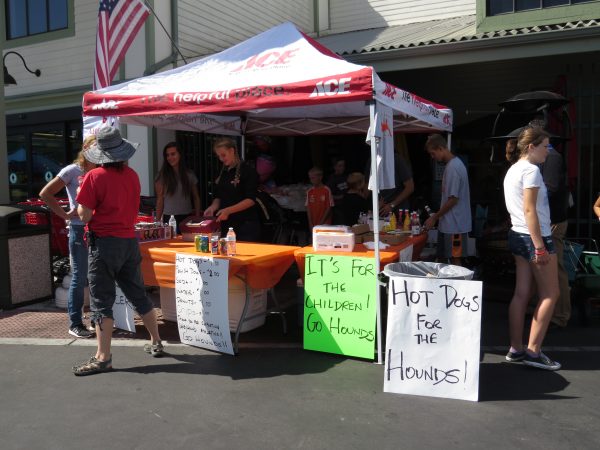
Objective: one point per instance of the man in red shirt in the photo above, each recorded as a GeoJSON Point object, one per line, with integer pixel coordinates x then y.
{"type": "Point", "coordinates": [108, 200]}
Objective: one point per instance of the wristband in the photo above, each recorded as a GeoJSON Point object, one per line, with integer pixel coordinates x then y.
{"type": "Point", "coordinates": [540, 252]}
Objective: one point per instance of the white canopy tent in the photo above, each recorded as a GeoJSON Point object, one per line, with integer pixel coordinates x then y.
{"type": "Point", "coordinates": [280, 82]}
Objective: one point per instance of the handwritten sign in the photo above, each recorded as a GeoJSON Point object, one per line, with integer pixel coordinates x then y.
{"type": "Point", "coordinates": [201, 296]}
{"type": "Point", "coordinates": [122, 312]}
{"type": "Point", "coordinates": [433, 337]}
{"type": "Point", "coordinates": [339, 305]}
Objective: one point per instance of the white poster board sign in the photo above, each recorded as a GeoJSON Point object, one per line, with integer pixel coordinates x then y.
{"type": "Point", "coordinates": [201, 299]}
{"type": "Point", "coordinates": [122, 312]}
{"type": "Point", "coordinates": [433, 337]}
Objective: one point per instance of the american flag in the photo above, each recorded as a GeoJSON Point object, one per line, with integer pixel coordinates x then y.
{"type": "Point", "coordinates": [118, 23]}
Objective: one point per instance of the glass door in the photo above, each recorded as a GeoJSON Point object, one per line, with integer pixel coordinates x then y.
{"type": "Point", "coordinates": [48, 156]}
{"type": "Point", "coordinates": [36, 154]}
{"type": "Point", "coordinates": [18, 169]}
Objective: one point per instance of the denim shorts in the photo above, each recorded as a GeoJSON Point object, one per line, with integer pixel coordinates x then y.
{"type": "Point", "coordinates": [520, 244]}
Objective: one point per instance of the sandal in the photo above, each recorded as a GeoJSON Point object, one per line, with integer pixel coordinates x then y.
{"type": "Point", "coordinates": [92, 367]}
{"type": "Point", "coordinates": [156, 350]}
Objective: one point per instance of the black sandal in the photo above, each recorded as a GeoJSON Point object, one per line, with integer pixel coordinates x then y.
{"type": "Point", "coordinates": [92, 367]}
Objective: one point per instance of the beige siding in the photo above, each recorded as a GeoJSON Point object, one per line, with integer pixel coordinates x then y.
{"type": "Point", "coordinates": [351, 15]}
{"type": "Point", "coordinates": [65, 63]}
{"type": "Point", "coordinates": [207, 27]}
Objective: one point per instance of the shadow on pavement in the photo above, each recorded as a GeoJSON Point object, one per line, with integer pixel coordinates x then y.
{"type": "Point", "coordinates": [250, 363]}
{"type": "Point", "coordinates": [509, 381]}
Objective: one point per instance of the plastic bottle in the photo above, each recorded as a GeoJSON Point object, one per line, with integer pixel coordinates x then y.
{"type": "Point", "coordinates": [406, 224]}
{"type": "Point", "coordinates": [168, 231]}
{"type": "Point", "coordinates": [415, 224]}
{"type": "Point", "coordinates": [173, 226]}
{"type": "Point", "coordinates": [392, 221]}
{"type": "Point", "coordinates": [230, 242]}
{"type": "Point", "coordinates": [399, 220]}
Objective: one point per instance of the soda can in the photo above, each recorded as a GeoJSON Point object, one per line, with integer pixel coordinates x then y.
{"type": "Point", "coordinates": [214, 245]}
{"type": "Point", "coordinates": [198, 242]}
{"type": "Point", "coordinates": [223, 246]}
{"type": "Point", "coordinates": [204, 243]}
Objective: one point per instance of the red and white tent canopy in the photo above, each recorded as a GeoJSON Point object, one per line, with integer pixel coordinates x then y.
{"type": "Point", "coordinates": [278, 82]}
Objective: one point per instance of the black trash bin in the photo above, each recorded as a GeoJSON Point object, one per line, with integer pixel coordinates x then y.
{"type": "Point", "coordinates": [26, 263]}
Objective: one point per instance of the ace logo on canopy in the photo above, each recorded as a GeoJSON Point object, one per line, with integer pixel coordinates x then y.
{"type": "Point", "coordinates": [332, 87]}
{"type": "Point", "coordinates": [267, 59]}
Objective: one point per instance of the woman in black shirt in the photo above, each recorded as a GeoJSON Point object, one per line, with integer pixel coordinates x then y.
{"type": "Point", "coordinates": [235, 193]}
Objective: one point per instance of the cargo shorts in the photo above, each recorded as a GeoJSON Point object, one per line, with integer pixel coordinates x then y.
{"type": "Point", "coordinates": [113, 259]}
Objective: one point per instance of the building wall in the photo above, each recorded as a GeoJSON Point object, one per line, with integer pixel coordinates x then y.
{"type": "Point", "coordinates": [64, 63]}
{"type": "Point", "coordinates": [352, 15]}
{"type": "Point", "coordinates": [207, 27]}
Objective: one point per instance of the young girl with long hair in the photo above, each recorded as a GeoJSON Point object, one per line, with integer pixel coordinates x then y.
{"type": "Point", "coordinates": [176, 187]}
{"type": "Point", "coordinates": [530, 241]}
{"type": "Point", "coordinates": [235, 193]}
{"type": "Point", "coordinates": [69, 177]}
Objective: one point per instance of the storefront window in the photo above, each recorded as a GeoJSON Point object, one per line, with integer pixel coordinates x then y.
{"type": "Point", "coordinates": [31, 17]}
{"type": "Point", "coordinates": [497, 7]}
{"type": "Point", "coordinates": [48, 156]}
{"type": "Point", "coordinates": [36, 154]}
{"type": "Point", "coordinates": [17, 167]}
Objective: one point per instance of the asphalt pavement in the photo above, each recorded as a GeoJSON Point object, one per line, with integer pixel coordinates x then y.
{"type": "Point", "coordinates": [275, 395]}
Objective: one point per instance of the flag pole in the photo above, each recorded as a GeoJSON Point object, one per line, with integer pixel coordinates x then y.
{"type": "Point", "coordinates": [165, 30]}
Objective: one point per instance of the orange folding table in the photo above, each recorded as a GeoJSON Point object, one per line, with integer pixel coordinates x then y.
{"type": "Point", "coordinates": [260, 266]}
{"type": "Point", "coordinates": [388, 255]}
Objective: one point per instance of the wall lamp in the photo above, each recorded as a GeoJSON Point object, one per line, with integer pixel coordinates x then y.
{"type": "Point", "coordinates": [8, 78]}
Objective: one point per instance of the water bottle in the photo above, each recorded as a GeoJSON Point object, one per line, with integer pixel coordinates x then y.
{"type": "Point", "coordinates": [173, 226]}
{"type": "Point", "coordinates": [168, 230]}
{"type": "Point", "coordinates": [231, 242]}
{"type": "Point", "coordinates": [428, 211]}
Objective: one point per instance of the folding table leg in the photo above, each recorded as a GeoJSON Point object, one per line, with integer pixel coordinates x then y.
{"type": "Point", "coordinates": [278, 309]}
{"type": "Point", "coordinates": [242, 317]}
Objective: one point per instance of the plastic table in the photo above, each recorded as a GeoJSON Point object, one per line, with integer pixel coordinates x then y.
{"type": "Point", "coordinates": [260, 266]}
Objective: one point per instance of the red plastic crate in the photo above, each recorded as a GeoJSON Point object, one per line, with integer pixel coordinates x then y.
{"type": "Point", "coordinates": [143, 218]}
{"type": "Point", "coordinates": [35, 218]}
{"type": "Point", "coordinates": [59, 234]}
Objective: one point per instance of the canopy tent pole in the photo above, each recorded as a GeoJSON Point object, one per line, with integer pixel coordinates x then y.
{"type": "Point", "coordinates": [243, 125]}
{"type": "Point", "coordinates": [375, 197]}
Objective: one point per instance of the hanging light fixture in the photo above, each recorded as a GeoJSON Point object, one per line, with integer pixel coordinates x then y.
{"type": "Point", "coordinates": [8, 78]}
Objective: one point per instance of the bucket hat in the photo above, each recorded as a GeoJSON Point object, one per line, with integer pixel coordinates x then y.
{"type": "Point", "coordinates": [110, 147]}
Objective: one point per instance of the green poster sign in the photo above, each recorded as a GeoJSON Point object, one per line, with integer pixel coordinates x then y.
{"type": "Point", "coordinates": [339, 305]}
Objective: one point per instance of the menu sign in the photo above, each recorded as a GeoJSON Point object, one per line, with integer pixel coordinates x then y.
{"type": "Point", "coordinates": [201, 292]}
{"type": "Point", "coordinates": [122, 312]}
{"type": "Point", "coordinates": [433, 337]}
